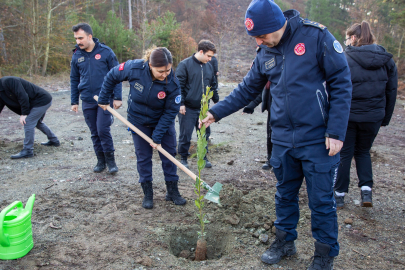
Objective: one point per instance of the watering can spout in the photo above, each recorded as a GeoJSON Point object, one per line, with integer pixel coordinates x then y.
{"type": "Point", "coordinates": [30, 204]}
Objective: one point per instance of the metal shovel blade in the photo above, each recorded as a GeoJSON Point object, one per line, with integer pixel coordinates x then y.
{"type": "Point", "coordinates": [213, 193]}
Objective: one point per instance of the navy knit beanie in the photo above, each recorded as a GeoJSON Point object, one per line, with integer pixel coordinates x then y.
{"type": "Point", "coordinates": [263, 17]}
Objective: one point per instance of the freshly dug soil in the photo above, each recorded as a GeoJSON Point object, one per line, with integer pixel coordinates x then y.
{"type": "Point", "coordinates": [84, 220]}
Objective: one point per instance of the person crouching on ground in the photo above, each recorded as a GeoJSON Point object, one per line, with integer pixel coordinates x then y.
{"type": "Point", "coordinates": [31, 102]}
{"type": "Point", "coordinates": [153, 103]}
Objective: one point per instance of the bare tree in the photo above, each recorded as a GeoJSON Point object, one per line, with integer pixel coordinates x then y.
{"type": "Point", "coordinates": [130, 14]}
{"type": "Point", "coordinates": [48, 33]}
{"type": "Point", "coordinates": [2, 46]}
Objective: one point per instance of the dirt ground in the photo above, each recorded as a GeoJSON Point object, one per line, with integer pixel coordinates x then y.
{"type": "Point", "coordinates": [83, 220]}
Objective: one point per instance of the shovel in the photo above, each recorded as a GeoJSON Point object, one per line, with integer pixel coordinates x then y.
{"type": "Point", "coordinates": [213, 192]}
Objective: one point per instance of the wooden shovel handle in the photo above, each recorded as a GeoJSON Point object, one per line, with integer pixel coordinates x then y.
{"type": "Point", "coordinates": [149, 140]}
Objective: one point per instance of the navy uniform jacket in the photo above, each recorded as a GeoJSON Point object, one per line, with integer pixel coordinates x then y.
{"type": "Point", "coordinates": [150, 103]}
{"type": "Point", "coordinates": [303, 110]}
{"type": "Point", "coordinates": [88, 70]}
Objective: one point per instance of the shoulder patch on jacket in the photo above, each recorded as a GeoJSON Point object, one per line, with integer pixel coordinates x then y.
{"type": "Point", "coordinates": [314, 24]}
{"type": "Point", "coordinates": [121, 68]}
{"type": "Point", "coordinates": [140, 64]}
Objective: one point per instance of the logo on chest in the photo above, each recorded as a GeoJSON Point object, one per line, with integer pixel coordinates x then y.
{"type": "Point", "coordinates": [98, 56]}
{"type": "Point", "coordinates": [299, 49]}
{"type": "Point", "coordinates": [161, 95]}
{"type": "Point", "coordinates": [81, 59]}
{"type": "Point", "coordinates": [138, 87]}
{"type": "Point", "coordinates": [270, 63]}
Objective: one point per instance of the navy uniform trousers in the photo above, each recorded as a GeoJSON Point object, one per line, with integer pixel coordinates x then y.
{"type": "Point", "coordinates": [144, 153]}
{"type": "Point", "coordinates": [291, 165]}
{"type": "Point", "coordinates": [99, 122]}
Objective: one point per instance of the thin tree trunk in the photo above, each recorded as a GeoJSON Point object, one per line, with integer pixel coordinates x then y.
{"type": "Point", "coordinates": [400, 45]}
{"type": "Point", "coordinates": [48, 34]}
{"type": "Point", "coordinates": [137, 12]}
{"type": "Point", "coordinates": [130, 14]}
{"type": "Point", "coordinates": [121, 10]}
{"type": "Point", "coordinates": [144, 22]}
{"type": "Point", "coordinates": [112, 6]}
{"type": "Point", "coordinates": [2, 46]}
{"type": "Point", "coordinates": [33, 56]}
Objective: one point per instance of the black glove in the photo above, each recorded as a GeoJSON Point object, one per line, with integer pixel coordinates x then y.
{"type": "Point", "coordinates": [248, 110]}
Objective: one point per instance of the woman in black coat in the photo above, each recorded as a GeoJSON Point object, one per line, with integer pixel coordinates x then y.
{"type": "Point", "coordinates": [374, 78]}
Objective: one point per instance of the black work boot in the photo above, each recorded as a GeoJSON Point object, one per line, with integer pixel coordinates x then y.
{"type": "Point", "coordinates": [207, 163]}
{"type": "Point", "coordinates": [110, 160]}
{"type": "Point", "coordinates": [100, 162]}
{"type": "Point", "coordinates": [173, 193]}
{"type": "Point", "coordinates": [25, 153]}
{"type": "Point", "coordinates": [148, 192]}
{"type": "Point", "coordinates": [366, 198]}
{"type": "Point", "coordinates": [321, 259]}
{"type": "Point", "coordinates": [184, 162]}
{"type": "Point", "coordinates": [278, 249]}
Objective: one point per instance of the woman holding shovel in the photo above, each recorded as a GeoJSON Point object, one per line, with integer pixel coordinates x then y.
{"type": "Point", "coordinates": [153, 103]}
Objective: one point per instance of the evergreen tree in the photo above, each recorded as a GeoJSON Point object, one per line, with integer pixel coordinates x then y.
{"type": "Point", "coordinates": [331, 13]}
{"type": "Point", "coordinates": [112, 32]}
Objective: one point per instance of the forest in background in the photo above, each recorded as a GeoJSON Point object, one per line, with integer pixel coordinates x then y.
{"type": "Point", "coordinates": [36, 36]}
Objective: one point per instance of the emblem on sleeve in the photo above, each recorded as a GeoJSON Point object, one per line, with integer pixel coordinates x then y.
{"type": "Point", "coordinates": [121, 68]}
{"type": "Point", "coordinates": [178, 99]}
{"type": "Point", "coordinates": [161, 95]}
{"type": "Point", "coordinates": [249, 24]}
{"type": "Point", "coordinates": [338, 48]}
{"type": "Point", "coordinates": [98, 56]}
{"type": "Point", "coordinates": [299, 49]}
{"type": "Point", "coordinates": [270, 63]}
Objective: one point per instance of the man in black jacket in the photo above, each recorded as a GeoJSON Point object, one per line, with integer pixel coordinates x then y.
{"type": "Point", "coordinates": [194, 74]}
{"type": "Point", "coordinates": [31, 102]}
{"type": "Point", "coordinates": [214, 64]}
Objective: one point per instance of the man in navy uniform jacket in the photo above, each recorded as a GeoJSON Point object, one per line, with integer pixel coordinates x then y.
{"type": "Point", "coordinates": [91, 61]}
{"type": "Point", "coordinates": [311, 94]}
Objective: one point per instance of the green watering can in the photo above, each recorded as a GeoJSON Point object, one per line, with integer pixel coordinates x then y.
{"type": "Point", "coordinates": [16, 230]}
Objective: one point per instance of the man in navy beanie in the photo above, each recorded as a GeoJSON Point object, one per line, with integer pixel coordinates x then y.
{"type": "Point", "coordinates": [311, 93]}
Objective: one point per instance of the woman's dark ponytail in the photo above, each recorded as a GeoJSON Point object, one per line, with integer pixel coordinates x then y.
{"type": "Point", "coordinates": [158, 56]}
{"type": "Point", "coordinates": [362, 32]}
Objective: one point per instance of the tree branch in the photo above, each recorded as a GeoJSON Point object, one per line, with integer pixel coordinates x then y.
{"type": "Point", "coordinates": [57, 5]}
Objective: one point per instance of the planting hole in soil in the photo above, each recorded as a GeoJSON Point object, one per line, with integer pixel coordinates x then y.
{"type": "Point", "coordinates": [183, 242]}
